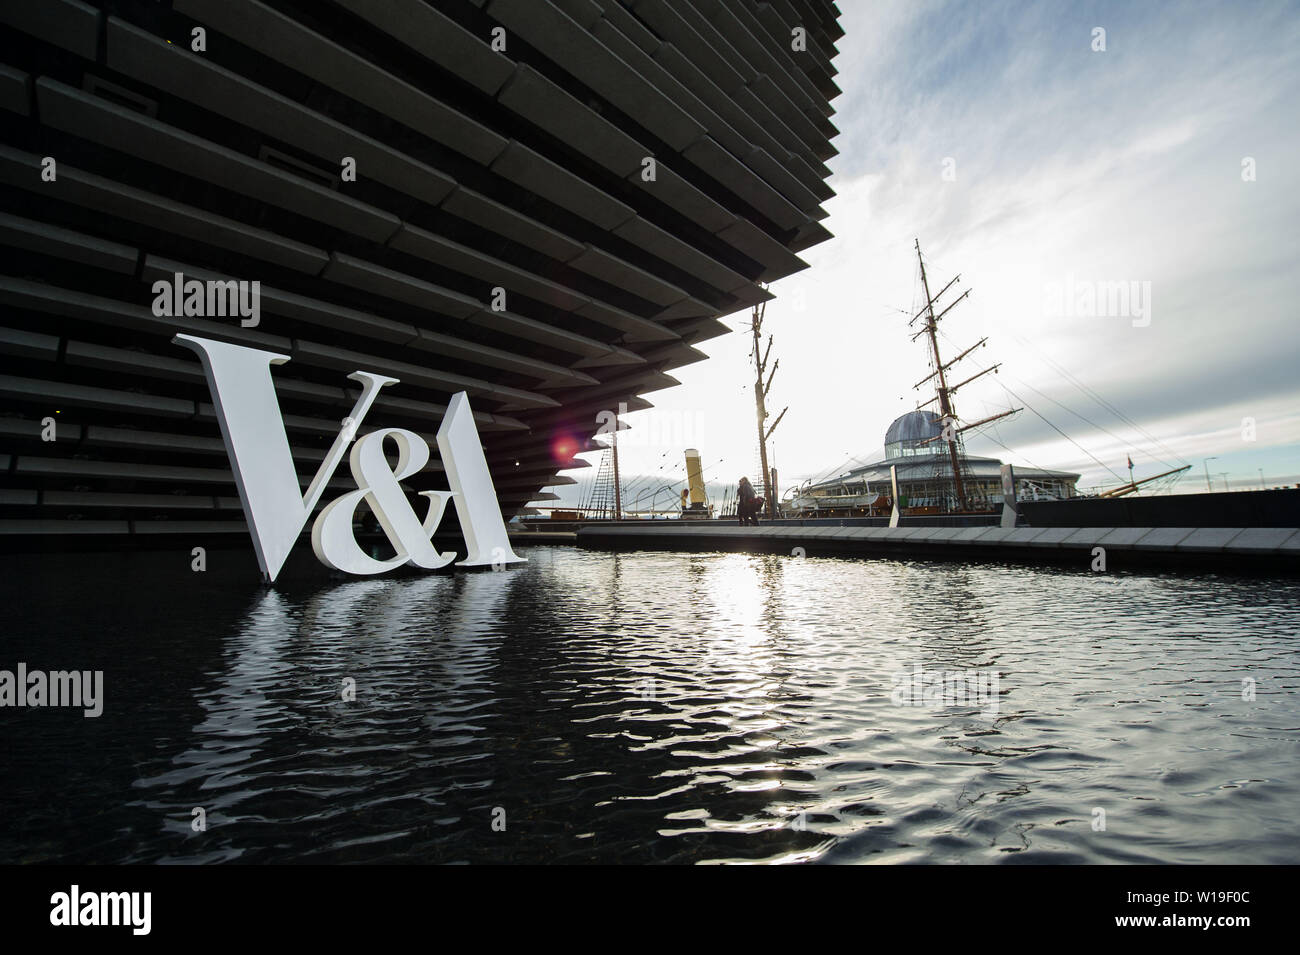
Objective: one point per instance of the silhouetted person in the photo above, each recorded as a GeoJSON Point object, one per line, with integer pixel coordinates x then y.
{"type": "Point", "coordinates": [749, 503]}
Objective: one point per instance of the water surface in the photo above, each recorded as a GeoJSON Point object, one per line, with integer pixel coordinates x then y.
{"type": "Point", "coordinates": [653, 707]}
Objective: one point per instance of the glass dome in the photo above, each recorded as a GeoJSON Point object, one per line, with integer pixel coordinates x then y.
{"type": "Point", "coordinates": [910, 434]}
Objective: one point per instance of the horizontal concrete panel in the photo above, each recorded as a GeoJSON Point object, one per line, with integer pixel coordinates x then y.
{"type": "Point", "coordinates": [152, 60]}
{"type": "Point", "coordinates": [581, 54]}
{"type": "Point", "coordinates": [69, 24]}
{"type": "Point", "coordinates": [491, 271]}
{"type": "Point", "coordinates": [717, 128]}
{"type": "Point", "coordinates": [1208, 539]}
{"type": "Point", "coordinates": [746, 34]}
{"type": "Point", "coordinates": [1290, 546]}
{"type": "Point", "coordinates": [437, 38]}
{"type": "Point", "coordinates": [15, 91]}
{"type": "Point", "coordinates": [136, 363]}
{"type": "Point", "coordinates": [430, 412]}
{"type": "Point", "coordinates": [713, 55]}
{"type": "Point", "coordinates": [52, 300]}
{"type": "Point", "coordinates": [621, 274]}
{"type": "Point", "coordinates": [810, 234]}
{"type": "Point", "coordinates": [1052, 536]}
{"type": "Point", "coordinates": [189, 528]}
{"type": "Point", "coordinates": [145, 138]}
{"type": "Point", "coordinates": [290, 304]}
{"type": "Point", "coordinates": [541, 102]}
{"type": "Point", "coordinates": [510, 224]}
{"type": "Point", "coordinates": [63, 527]}
{"type": "Point", "coordinates": [145, 365]}
{"type": "Point", "coordinates": [699, 330]}
{"type": "Point", "coordinates": [1163, 538]}
{"type": "Point", "coordinates": [744, 182]}
{"type": "Point", "coordinates": [181, 502]}
{"type": "Point", "coordinates": [752, 103]}
{"type": "Point", "coordinates": [595, 353]}
{"type": "Point", "coordinates": [24, 344]}
{"type": "Point", "coordinates": [136, 205]}
{"type": "Point", "coordinates": [674, 191]}
{"type": "Point", "coordinates": [529, 169]}
{"type": "Point", "coordinates": [583, 12]}
{"type": "Point", "coordinates": [633, 327]}
{"type": "Point", "coordinates": [668, 247]}
{"type": "Point", "coordinates": [747, 125]}
{"type": "Point", "coordinates": [778, 261]}
{"type": "Point", "coordinates": [86, 396]}
{"type": "Point", "coordinates": [548, 374]}
{"type": "Point", "coordinates": [684, 309]}
{"type": "Point", "coordinates": [1262, 540]}
{"type": "Point", "coordinates": [32, 429]}
{"type": "Point", "coordinates": [348, 270]}
{"type": "Point", "coordinates": [291, 44]}
{"type": "Point", "coordinates": [1123, 537]}
{"type": "Point", "coordinates": [66, 244]}
{"type": "Point", "coordinates": [781, 178]}
{"type": "Point", "coordinates": [419, 375]}
{"type": "Point", "coordinates": [618, 16]}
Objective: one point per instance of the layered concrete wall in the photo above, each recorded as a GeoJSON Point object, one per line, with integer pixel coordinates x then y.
{"type": "Point", "coordinates": [545, 203]}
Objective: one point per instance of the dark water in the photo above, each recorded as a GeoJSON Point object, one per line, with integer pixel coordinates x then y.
{"type": "Point", "coordinates": [653, 708]}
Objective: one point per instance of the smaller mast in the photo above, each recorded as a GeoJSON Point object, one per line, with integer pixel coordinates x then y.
{"type": "Point", "coordinates": [1132, 486]}
{"type": "Point", "coordinates": [760, 356]}
{"type": "Point", "coordinates": [618, 490]}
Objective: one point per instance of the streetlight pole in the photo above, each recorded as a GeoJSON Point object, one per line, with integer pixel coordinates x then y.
{"type": "Point", "coordinates": [1261, 479]}
{"type": "Point", "coordinates": [1206, 465]}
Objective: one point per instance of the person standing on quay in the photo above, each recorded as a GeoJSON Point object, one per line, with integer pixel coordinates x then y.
{"type": "Point", "coordinates": [746, 509]}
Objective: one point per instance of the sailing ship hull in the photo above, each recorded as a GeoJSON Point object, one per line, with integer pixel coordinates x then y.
{"type": "Point", "coordinates": [1272, 508]}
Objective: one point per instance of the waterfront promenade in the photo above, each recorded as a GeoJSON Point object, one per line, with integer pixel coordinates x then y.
{"type": "Point", "coordinates": [1248, 548]}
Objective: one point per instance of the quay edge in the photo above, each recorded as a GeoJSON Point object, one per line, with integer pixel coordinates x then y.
{"type": "Point", "coordinates": [1256, 550]}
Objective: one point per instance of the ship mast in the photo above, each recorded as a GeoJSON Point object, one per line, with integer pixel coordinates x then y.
{"type": "Point", "coordinates": [1132, 486]}
{"type": "Point", "coordinates": [618, 489]}
{"type": "Point", "coordinates": [760, 405]}
{"type": "Point", "coordinates": [945, 402]}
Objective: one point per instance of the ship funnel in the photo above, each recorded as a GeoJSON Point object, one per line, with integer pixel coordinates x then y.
{"type": "Point", "coordinates": [695, 476]}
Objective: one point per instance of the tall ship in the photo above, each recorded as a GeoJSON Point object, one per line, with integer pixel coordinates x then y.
{"type": "Point", "coordinates": [927, 467]}
{"type": "Point", "coordinates": [925, 449]}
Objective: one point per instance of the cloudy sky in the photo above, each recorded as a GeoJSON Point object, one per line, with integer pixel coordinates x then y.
{"type": "Point", "coordinates": [1038, 169]}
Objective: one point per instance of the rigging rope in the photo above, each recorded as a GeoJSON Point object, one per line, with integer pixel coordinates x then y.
{"type": "Point", "coordinates": [1062, 433]}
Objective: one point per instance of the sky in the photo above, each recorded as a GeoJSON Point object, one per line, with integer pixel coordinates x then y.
{"type": "Point", "coordinates": [1041, 170]}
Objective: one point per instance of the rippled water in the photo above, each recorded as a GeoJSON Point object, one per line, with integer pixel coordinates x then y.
{"type": "Point", "coordinates": [654, 707]}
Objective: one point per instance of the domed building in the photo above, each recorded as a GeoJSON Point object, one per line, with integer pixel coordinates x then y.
{"type": "Point", "coordinates": [914, 445]}
{"type": "Point", "coordinates": [913, 433]}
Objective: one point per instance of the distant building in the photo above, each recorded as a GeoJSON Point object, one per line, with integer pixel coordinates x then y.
{"type": "Point", "coordinates": [925, 478]}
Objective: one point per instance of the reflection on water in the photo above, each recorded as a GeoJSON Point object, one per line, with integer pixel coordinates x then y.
{"type": "Point", "coordinates": [662, 708]}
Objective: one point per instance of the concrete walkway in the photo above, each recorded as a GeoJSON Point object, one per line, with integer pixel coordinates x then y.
{"type": "Point", "coordinates": [1226, 548]}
